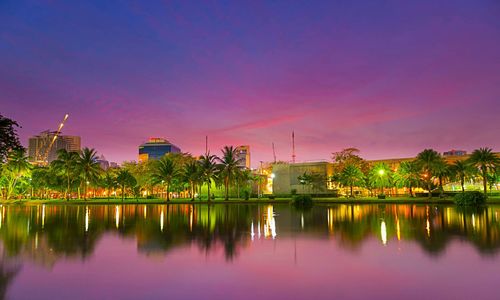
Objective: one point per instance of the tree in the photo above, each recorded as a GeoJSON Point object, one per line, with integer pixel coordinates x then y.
{"type": "Point", "coordinates": [243, 177]}
{"type": "Point", "coordinates": [66, 164]}
{"type": "Point", "coordinates": [351, 176]}
{"type": "Point", "coordinates": [8, 137]}
{"type": "Point", "coordinates": [14, 170]}
{"type": "Point", "coordinates": [380, 176]}
{"type": "Point", "coordinates": [441, 171]}
{"type": "Point", "coordinates": [486, 162]}
{"type": "Point", "coordinates": [164, 171]}
{"type": "Point", "coordinates": [428, 160]}
{"type": "Point", "coordinates": [108, 181]}
{"type": "Point", "coordinates": [192, 175]}
{"type": "Point", "coordinates": [209, 170]}
{"type": "Point", "coordinates": [407, 175]}
{"type": "Point", "coordinates": [88, 168]}
{"type": "Point", "coordinates": [229, 163]}
{"type": "Point", "coordinates": [305, 179]}
{"type": "Point", "coordinates": [461, 170]}
{"type": "Point", "coordinates": [125, 179]}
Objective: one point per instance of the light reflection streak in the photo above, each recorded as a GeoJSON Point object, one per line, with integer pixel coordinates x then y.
{"type": "Point", "coordinates": [161, 221]}
{"type": "Point", "coordinates": [86, 219]}
{"type": "Point", "coordinates": [43, 216]}
{"type": "Point", "coordinates": [383, 232]}
{"type": "Point", "coordinates": [117, 216]}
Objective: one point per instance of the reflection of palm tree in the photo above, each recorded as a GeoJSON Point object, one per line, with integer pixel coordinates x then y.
{"type": "Point", "coordinates": [65, 164]}
{"type": "Point", "coordinates": [7, 274]}
{"type": "Point", "coordinates": [486, 161]}
{"type": "Point", "coordinates": [229, 164]}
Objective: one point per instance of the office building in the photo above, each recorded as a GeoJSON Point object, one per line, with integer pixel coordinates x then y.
{"type": "Point", "coordinates": [155, 148]}
{"type": "Point", "coordinates": [243, 153]}
{"type": "Point", "coordinates": [40, 150]}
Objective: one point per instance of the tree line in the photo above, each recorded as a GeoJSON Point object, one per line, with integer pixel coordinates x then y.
{"type": "Point", "coordinates": [429, 170]}
{"type": "Point", "coordinates": [73, 174]}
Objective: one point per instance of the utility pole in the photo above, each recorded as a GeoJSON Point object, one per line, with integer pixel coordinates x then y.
{"type": "Point", "coordinates": [274, 153]}
{"type": "Point", "coordinates": [206, 145]}
{"type": "Point", "coordinates": [260, 180]}
{"type": "Point", "coordinates": [293, 147]}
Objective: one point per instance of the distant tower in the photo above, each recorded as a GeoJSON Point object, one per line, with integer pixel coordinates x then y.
{"type": "Point", "coordinates": [293, 147]}
{"type": "Point", "coordinates": [243, 154]}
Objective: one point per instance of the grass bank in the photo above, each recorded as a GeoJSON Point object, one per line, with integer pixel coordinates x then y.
{"type": "Point", "coordinates": [264, 200]}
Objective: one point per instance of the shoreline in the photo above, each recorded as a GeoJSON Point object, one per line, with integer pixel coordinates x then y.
{"type": "Point", "coordinates": [132, 201]}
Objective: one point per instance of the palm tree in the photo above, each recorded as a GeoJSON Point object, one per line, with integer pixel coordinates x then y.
{"type": "Point", "coordinates": [486, 161]}
{"type": "Point", "coordinates": [164, 171]}
{"type": "Point", "coordinates": [428, 160]}
{"type": "Point", "coordinates": [380, 175]}
{"type": "Point", "coordinates": [65, 164]}
{"type": "Point", "coordinates": [89, 168]}
{"type": "Point", "coordinates": [243, 177]}
{"type": "Point", "coordinates": [109, 181]}
{"type": "Point", "coordinates": [191, 175]}
{"type": "Point", "coordinates": [441, 171]}
{"type": "Point", "coordinates": [125, 179]}
{"type": "Point", "coordinates": [351, 176]}
{"type": "Point", "coordinates": [15, 169]}
{"type": "Point", "coordinates": [229, 163]}
{"type": "Point", "coordinates": [461, 170]}
{"type": "Point", "coordinates": [209, 170]}
{"type": "Point", "coordinates": [407, 175]}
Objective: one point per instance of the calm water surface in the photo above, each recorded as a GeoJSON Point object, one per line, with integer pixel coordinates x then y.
{"type": "Point", "coordinates": [249, 252]}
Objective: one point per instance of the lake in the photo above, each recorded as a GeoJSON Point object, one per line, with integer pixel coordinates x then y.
{"type": "Point", "coordinates": [249, 252]}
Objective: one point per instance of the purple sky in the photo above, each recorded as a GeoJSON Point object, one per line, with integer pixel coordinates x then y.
{"type": "Point", "coordinates": [388, 77]}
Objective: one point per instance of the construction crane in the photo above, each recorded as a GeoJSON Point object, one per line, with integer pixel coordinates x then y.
{"type": "Point", "coordinates": [45, 157]}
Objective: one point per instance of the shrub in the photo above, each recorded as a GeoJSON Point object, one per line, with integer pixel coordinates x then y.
{"type": "Point", "coordinates": [271, 197]}
{"type": "Point", "coordinates": [381, 196]}
{"type": "Point", "coordinates": [246, 195]}
{"type": "Point", "coordinates": [302, 201]}
{"type": "Point", "coordinates": [294, 192]}
{"type": "Point", "coordinates": [470, 199]}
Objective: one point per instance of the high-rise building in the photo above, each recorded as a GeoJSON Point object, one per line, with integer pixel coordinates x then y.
{"type": "Point", "coordinates": [38, 146]}
{"type": "Point", "coordinates": [243, 153]}
{"type": "Point", "coordinates": [155, 148]}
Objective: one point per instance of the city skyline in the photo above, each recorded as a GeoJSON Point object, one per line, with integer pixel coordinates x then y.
{"type": "Point", "coordinates": [338, 75]}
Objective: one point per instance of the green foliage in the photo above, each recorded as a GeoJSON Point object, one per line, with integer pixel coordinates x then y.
{"type": "Point", "coordinates": [486, 162]}
{"type": "Point", "coordinates": [380, 176]}
{"type": "Point", "coordinates": [474, 198]}
{"type": "Point", "coordinates": [352, 176]}
{"type": "Point", "coordinates": [293, 192]}
{"type": "Point", "coordinates": [407, 175]}
{"type": "Point", "coordinates": [302, 201]}
{"type": "Point", "coordinates": [8, 137]}
{"type": "Point", "coordinates": [229, 164]}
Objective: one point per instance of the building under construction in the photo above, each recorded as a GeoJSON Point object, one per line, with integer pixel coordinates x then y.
{"type": "Point", "coordinates": [42, 148]}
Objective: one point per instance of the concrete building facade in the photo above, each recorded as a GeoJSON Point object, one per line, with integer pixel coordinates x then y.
{"type": "Point", "coordinates": [38, 146]}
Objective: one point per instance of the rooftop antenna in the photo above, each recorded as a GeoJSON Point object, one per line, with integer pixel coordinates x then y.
{"type": "Point", "coordinates": [293, 147]}
{"type": "Point", "coordinates": [206, 145]}
{"type": "Point", "coordinates": [274, 153]}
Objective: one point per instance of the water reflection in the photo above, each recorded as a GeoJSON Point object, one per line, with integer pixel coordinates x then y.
{"type": "Point", "coordinates": [47, 233]}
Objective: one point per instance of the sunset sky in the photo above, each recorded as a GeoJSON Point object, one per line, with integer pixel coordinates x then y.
{"type": "Point", "coordinates": [388, 77]}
